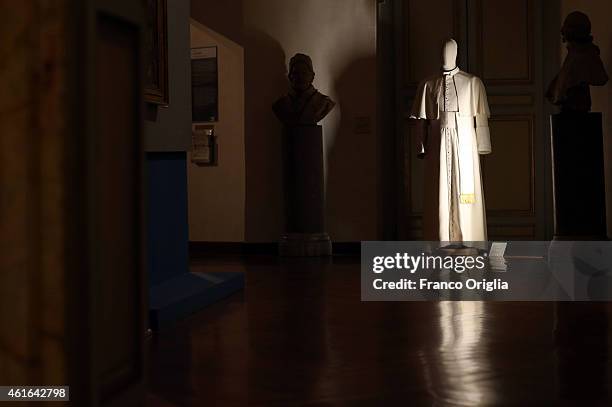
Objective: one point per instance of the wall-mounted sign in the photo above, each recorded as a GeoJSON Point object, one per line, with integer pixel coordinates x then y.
{"type": "Point", "coordinates": [204, 85]}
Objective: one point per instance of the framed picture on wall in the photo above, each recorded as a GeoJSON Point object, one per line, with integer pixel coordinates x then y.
{"type": "Point", "coordinates": [204, 85]}
{"type": "Point", "coordinates": [156, 53]}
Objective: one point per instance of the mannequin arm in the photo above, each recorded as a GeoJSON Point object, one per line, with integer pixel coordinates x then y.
{"type": "Point", "coordinates": [483, 137]}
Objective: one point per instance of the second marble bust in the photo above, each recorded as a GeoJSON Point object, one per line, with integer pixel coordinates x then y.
{"type": "Point", "coordinates": [581, 69]}
{"type": "Point", "coordinates": [304, 105]}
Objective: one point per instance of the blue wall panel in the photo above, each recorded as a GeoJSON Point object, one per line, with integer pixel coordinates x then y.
{"type": "Point", "coordinates": [168, 228]}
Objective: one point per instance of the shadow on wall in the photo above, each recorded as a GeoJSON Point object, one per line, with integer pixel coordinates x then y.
{"type": "Point", "coordinates": [224, 17]}
{"type": "Point", "coordinates": [352, 155]}
{"type": "Point", "coordinates": [265, 82]}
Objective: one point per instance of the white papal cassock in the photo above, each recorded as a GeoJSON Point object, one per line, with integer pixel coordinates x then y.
{"type": "Point", "coordinates": [455, 106]}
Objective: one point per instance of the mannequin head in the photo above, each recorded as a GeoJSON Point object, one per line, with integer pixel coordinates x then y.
{"type": "Point", "coordinates": [449, 55]}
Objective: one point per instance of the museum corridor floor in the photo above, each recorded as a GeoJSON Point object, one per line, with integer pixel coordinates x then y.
{"type": "Point", "coordinates": [300, 336]}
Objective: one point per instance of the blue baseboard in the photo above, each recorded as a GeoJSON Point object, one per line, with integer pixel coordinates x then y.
{"type": "Point", "coordinates": [185, 294]}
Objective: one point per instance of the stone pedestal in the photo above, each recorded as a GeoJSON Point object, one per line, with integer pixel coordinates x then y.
{"type": "Point", "coordinates": [304, 193]}
{"type": "Point", "coordinates": [578, 176]}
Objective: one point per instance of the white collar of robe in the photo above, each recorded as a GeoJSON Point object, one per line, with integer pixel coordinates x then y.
{"type": "Point", "coordinates": [452, 72]}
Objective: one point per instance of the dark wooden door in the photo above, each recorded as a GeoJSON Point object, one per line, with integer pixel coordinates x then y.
{"type": "Point", "coordinates": [113, 289]}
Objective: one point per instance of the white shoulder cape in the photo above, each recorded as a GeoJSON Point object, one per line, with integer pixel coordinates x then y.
{"type": "Point", "coordinates": [470, 91]}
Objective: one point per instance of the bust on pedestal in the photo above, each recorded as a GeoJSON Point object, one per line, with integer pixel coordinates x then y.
{"type": "Point", "coordinates": [579, 196]}
{"type": "Point", "coordinates": [577, 139]}
{"type": "Point", "coordinates": [299, 112]}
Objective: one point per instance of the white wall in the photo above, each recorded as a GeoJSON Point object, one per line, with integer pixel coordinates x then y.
{"type": "Point", "coordinates": [217, 193]}
{"type": "Point", "coordinates": [340, 36]}
{"type": "Point", "coordinates": [599, 12]}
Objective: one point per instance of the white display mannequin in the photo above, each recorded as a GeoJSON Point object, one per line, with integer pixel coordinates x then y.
{"type": "Point", "coordinates": [453, 105]}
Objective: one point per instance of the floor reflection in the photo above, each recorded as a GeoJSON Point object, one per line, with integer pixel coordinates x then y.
{"type": "Point", "coordinates": [456, 370]}
{"type": "Point", "coordinates": [299, 335]}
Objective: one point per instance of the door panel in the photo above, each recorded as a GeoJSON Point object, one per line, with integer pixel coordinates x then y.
{"type": "Point", "coordinates": [508, 170]}
{"type": "Point", "coordinates": [505, 41]}
{"type": "Point", "coordinates": [110, 280]}
{"type": "Point", "coordinates": [116, 201]}
{"type": "Point", "coordinates": [505, 38]}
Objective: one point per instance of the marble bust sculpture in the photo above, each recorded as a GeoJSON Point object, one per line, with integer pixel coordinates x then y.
{"type": "Point", "coordinates": [581, 69]}
{"type": "Point", "coordinates": [303, 105]}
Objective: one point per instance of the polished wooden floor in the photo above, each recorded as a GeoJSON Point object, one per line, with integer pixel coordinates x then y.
{"type": "Point", "coordinates": [300, 336]}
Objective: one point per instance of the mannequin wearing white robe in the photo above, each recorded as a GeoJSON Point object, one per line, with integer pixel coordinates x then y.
{"type": "Point", "coordinates": [454, 104]}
